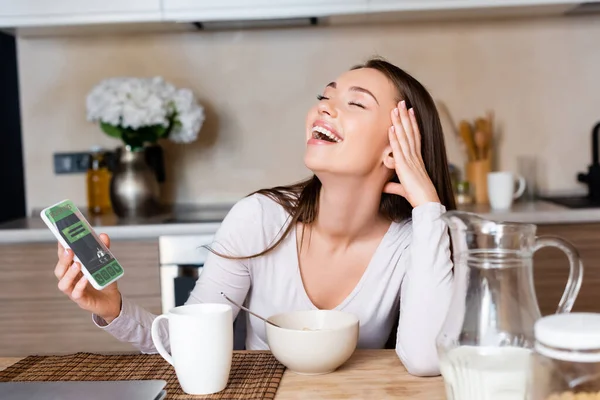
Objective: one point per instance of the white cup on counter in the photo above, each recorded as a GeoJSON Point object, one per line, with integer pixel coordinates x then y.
{"type": "Point", "coordinates": [201, 338]}
{"type": "Point", "coordinates": [501, 189]}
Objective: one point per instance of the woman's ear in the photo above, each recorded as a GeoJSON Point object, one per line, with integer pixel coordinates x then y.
{"type": "Point", "coordinates": [388, 158]}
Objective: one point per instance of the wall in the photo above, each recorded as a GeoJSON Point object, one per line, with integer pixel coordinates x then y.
{"type": "Point", "coordinates": [539, 76]}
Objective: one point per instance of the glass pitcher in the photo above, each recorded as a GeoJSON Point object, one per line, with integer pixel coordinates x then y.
{"type": "Point", "coordinates": [486, 340]}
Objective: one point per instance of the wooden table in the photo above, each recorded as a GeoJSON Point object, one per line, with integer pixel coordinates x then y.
{"type": "Point", "coordinates": [369, 374]}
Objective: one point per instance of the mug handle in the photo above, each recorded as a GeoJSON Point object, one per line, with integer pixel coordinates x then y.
{"type": "Point", "coordinates": [158, 342]}
{"type": "Point", "coordinates": [521, 188]}
{"type": "Point", "coordinates": [575, 270]}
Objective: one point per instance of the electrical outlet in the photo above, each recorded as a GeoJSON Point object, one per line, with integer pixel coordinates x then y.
{"type": "Point", "coordinates": [71, 163]}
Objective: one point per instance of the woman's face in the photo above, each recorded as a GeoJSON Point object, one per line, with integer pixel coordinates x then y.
{"type": "Point", "coordinates": [347, 130]}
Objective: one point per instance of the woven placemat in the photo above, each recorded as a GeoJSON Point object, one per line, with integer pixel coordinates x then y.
{"type": "Point", "coordinates": [254, 375]}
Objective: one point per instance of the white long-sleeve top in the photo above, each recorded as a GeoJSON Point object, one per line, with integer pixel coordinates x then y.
{"type": "Point", "coordinates": [410, 272]}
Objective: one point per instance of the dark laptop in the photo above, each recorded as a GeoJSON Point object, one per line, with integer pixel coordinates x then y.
{"type": "Point", "coordinates": [89, 390]}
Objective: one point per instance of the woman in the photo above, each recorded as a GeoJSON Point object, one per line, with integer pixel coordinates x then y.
{"type": "Point", "coordinates": [363, 235]}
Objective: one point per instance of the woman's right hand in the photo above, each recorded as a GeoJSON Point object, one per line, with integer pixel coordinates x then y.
{"type": "Point", "coordinates": [105, 303]}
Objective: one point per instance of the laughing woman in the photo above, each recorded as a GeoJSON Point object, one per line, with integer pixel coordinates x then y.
{"type": "Point", "coordinates": [363, 235]}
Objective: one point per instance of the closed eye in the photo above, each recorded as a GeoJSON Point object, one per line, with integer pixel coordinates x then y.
{"type": "Point", "coordinates": [352, 103]}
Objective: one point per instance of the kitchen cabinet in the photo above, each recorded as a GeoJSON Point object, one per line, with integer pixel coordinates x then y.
{"type": "Point", "coordinates": [422, 5]}
{"type": "Point", "coordinates": [36, 318]}
{"type": "Point", "coordinates": [169, 14]}
{"type": "Point", "coordinates": [444, 9]}
{"type": "Point", "coordinates": [207, 10]}
{"type": "Point", "coordinates": [551, 268]}
{"type": "Point", "coordinates": [16, 13]}
{"type": "Point", "coordinates": [448, 4]}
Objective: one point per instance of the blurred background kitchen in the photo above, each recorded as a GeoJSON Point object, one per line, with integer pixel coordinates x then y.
{"type": "Point", "coordinates": [517, 87]}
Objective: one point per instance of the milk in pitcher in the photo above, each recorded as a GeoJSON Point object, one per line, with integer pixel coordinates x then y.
{"type": "Point", "coordinates": [486, 373]}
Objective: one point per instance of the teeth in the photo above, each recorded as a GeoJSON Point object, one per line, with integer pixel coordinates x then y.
{"type": "Point", "coordinates": [326, 132]}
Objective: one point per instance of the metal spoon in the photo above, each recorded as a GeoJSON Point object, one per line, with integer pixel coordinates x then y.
{"type": "Point", "coordinates": [247, 310]}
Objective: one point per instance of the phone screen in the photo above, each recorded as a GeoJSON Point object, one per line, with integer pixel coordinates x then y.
{"type": "Point", "coordinates": [90, 250]}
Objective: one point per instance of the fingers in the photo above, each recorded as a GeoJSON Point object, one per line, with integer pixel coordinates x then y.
{"type": "Point", "coordinates": [65, 260]}
{"type": "Point", "coordinates": [79, 288]}
{"type": "Point", "coordinates": [407, 130]}
{"type": "Point", "coordinates": [416, 132]}
{"type": "Point", "coordinates": [394, 188]}
{"type": "Point", "coordinates": [65, 284]}
{"type": "Point", "coordinates": [399, 158]}
{"type": "Point", "coordinates": [105, 239]}
{"type": "Point", "coordinates": [404, 127]}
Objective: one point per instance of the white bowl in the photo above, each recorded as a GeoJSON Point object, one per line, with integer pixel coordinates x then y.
{"type": "Point", "coordinates": [313, 342]}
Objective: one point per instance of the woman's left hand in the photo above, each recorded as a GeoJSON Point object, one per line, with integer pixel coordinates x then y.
{"type": "Point", "coordinates": [405, 139]}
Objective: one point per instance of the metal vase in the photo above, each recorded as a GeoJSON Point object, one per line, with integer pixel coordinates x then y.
{"type": "Point", "coordinates": [134, 190]}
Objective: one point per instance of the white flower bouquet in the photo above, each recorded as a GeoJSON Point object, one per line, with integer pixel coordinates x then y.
{"type": "Point", "coordinates": [143, 110]}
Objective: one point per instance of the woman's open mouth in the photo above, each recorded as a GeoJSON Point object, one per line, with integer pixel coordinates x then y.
{"type": "Point", "coordinates": [324, 134]}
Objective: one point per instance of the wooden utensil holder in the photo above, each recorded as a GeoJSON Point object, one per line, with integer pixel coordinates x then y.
{"type": "Point", "coordinates": [477, 172]}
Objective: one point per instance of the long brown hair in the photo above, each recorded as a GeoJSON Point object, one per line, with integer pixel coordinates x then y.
{"type": "Point", "coordinates": [301, 200]}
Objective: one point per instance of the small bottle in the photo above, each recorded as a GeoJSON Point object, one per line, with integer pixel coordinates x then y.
{"type": "Point", "coordinates": [463, 194]}
{"type": "Point", "coordinates": [98, 183]}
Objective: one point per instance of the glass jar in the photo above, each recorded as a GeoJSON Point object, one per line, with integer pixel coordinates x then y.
{"type": "Point", "coordinates": [463, 193]}
{"type": "Point", "coordinates": [566, 361]}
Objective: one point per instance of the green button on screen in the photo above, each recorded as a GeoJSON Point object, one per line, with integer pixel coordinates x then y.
{"type": "Point", "coordinates": [98, 277]}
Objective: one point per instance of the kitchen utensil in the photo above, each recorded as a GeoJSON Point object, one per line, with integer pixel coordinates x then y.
{"type": "Point", "coordinates": [313, 342]}
{"type": "Point", "coordinates": [480, 140]}
{"type": "Point", "coordinates": [201, 338]}
{"type": "Point", "coordinates": [477, 172]}
{"type": "Point", "coordinates": [492, 138]}
{"type": "Point", "coordinates": [483, 125]}
{"type": "Point", "coordinates": [247, 310]}
{"type": "Point", "coordinates": [486, 339]}
{"type": "Point", "coordinates": [467, 136]}
{"type": "Point", "coordinates": [445, 114]}
{"type": "Point", "coordinates": [501, 189]}
{"type": "Point", "coordinates": [480, 124]}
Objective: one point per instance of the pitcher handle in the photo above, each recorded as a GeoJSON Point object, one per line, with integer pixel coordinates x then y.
{"type": "Point", "coordinates": [575, 274]}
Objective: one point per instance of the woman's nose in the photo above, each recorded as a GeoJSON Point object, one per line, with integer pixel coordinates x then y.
{"type": "Point", "coordinates": [325, 107]}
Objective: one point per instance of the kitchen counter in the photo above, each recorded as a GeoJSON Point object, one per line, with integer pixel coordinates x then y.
{"type": "Point", "coordinates": [206, 220]}
{"type": "Point", "coordinates": [185, 220]}
{"type": "Point", "coordinates": [537, 212]}
{"type": "Point", "coordinates": [369, 374]}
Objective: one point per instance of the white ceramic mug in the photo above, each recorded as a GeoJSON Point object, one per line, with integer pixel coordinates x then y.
{"type": "Point", "coordinates": [201, 337]}
{"type": "Point", "coordinates": [501, 189]}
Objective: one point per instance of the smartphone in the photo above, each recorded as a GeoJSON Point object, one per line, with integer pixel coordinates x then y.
{"type": "Point", "coordinates": [73, 231]}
